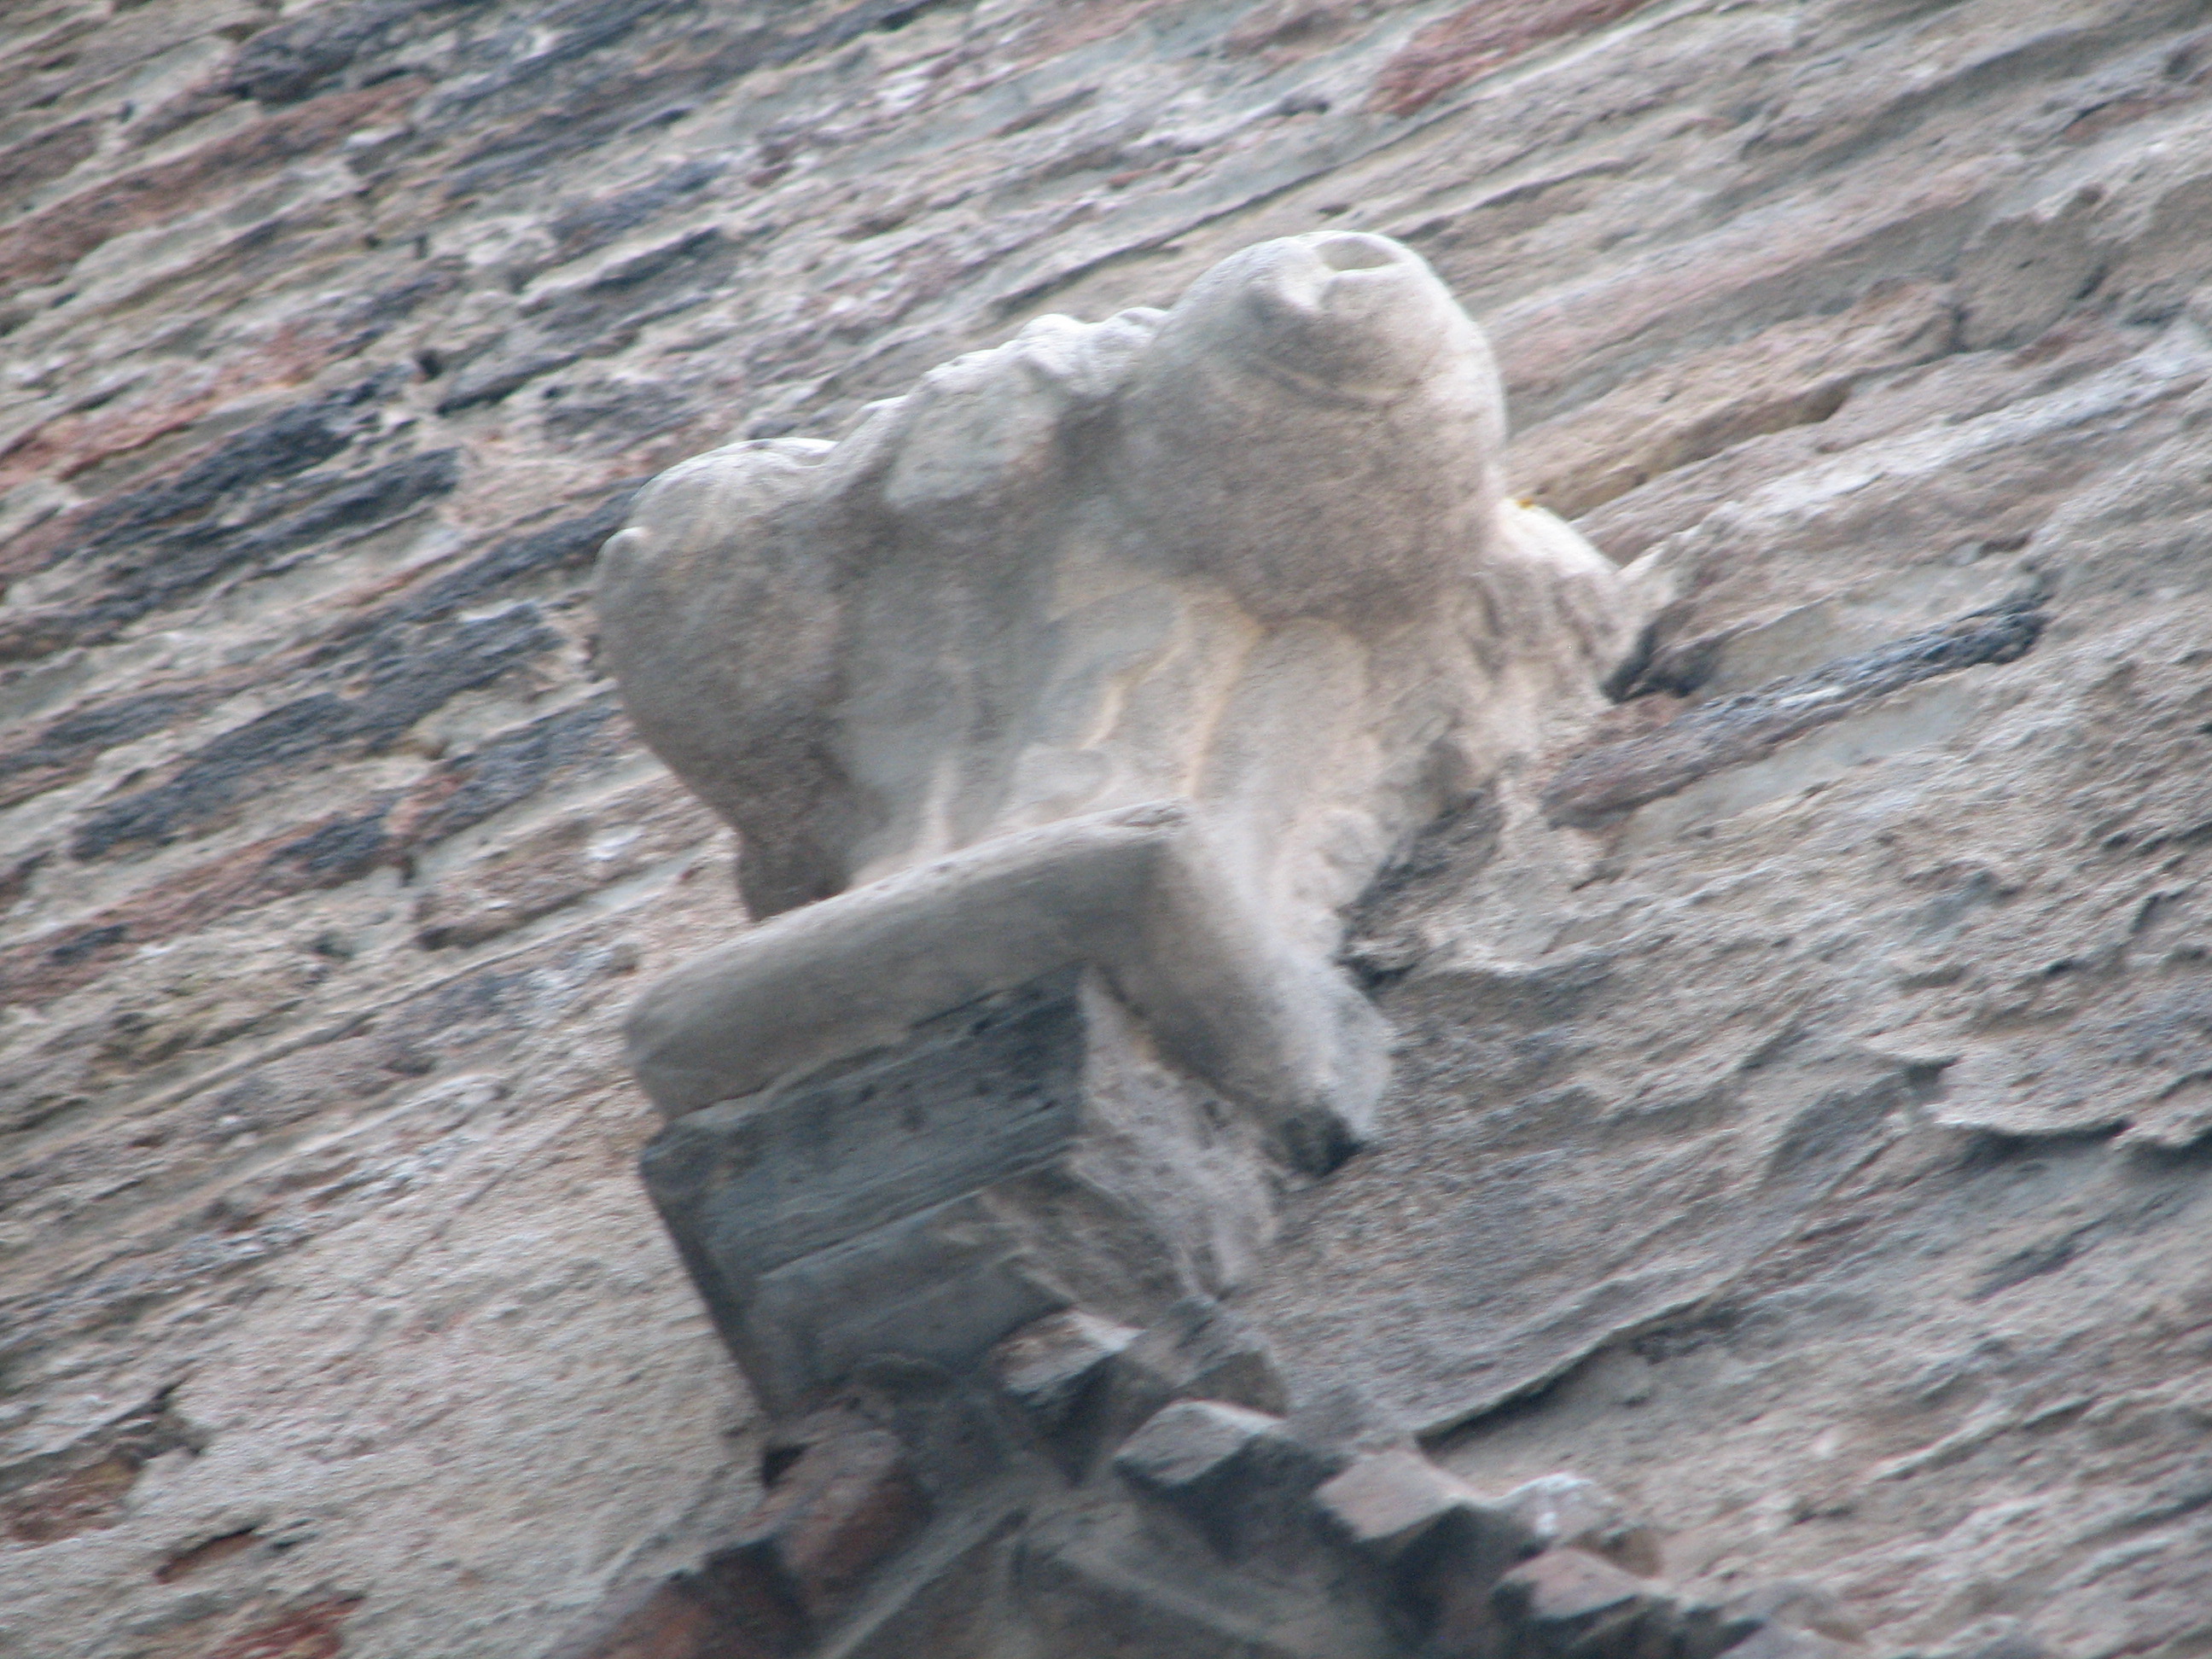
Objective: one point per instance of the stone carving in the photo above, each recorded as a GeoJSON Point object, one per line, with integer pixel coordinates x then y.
{"type": "Point", "coordinates": [1064, 707]}
{"type": "Point", "coordinates": [1141, 644]}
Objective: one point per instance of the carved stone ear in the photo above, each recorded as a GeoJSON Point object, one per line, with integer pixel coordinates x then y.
{"type": "Point", "coordinates": [984, 446]}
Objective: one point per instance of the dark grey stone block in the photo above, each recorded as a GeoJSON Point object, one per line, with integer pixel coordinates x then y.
{"type": "Point", "coordinates": [1565, 1511]}
{"type": "Point", "coordinates": [1047, 1368]}
{"type": "Point", "coordinates": [1388, 1504]}
{"type": "Point", "coordinates": [1020, 1156]}
{"type": "Point", "coordinates": [1566, 1603]}
{"type": "Point", "coordinates": [1237, 1475]}
{"type": "Point", "coordinates": [1197, 1349]}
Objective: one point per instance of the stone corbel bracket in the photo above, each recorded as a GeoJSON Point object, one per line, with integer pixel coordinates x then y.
{"type": "Point", "coordinates": [1063, 707]}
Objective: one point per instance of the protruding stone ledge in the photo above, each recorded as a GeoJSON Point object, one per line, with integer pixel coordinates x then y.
{"type": "Point", "coordinates": [1603, 782]}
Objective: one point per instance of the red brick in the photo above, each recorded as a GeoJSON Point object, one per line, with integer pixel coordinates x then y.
{"type": "Point", "coordinates": [50, 243]}
{"type": "Point", "coordinates": [671, 1619]}
{"type": "Point", "coordinates": [65, 1504]}
{"type": "Point", "coordinates": [1570, 1601]}
{"type": "Point", "coordinates": [1454, 50]}
{"type": "Point", "coordinates": [82, 1488]}
{"type": "Point", "coordinates": [307, 1630]}
{"type": "Point", "coordinates": [846, 1504]}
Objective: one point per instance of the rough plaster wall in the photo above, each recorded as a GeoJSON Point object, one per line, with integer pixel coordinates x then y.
{"type": "Point", "coordinates": [1825, 1136]}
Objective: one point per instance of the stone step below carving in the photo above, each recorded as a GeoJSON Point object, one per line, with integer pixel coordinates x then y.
{"type": "Point", "coordinates": [1023, 1154]}
{"type": "Point", "coordinates": [1086, 1497]}
{"type": "Point", "coordinates": [1099, 1586]}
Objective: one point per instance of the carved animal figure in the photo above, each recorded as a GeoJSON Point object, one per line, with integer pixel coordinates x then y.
{"type": "Point", "coordinates": [1144, 643]}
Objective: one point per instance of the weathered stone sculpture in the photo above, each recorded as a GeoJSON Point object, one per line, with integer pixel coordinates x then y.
{"type": "Point", "coordinates": [1064, 707]}
{"type": "Point", "coordinates": [1112, 663]}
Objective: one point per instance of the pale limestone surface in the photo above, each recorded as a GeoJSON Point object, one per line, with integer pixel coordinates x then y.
{"type": "Point", "coordinates": [1148, 641]}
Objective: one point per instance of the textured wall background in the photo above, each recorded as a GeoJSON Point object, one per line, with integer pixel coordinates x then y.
{"type": "Point", "coordinates": [1823, 1143]}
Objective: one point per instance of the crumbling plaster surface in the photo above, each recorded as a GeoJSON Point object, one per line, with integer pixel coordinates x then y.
{"type": "Point", "coordinates": [1825, 1133]}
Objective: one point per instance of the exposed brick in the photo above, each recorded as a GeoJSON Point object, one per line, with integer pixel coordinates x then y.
{"type": "Point", "coordinates": [305, 1630]}
{"type": "Point", "coordinates": [205, 1553]}
{"type": "Point", "coordinates": [83, 1487]}
{"type": "Point", "coordinates": [672, 1618]}
{"type": "Point", "coordinates": [79, 1500]}
{"type": "Point", "coordinates": [843, 1507]}
{"type": "Point", "coordinates": [1454, 50]}
{"type": "Point", "coordinates": [48, 244]}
